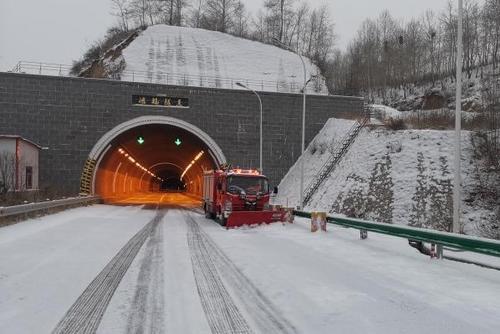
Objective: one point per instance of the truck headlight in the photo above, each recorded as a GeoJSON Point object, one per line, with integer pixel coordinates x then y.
{"type": "Point", "coordinates": [228, 206]}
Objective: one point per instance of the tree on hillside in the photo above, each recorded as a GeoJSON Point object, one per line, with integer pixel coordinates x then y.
{"type": "Point", "coordinates": [171, 12]}
{"type": "Point", "coordinates": [121, 10]}
{"type": "Point", "coordinates": [419, 211]}
{"type": "Point", "coordinates": [240, 28]}
{"type": "Point", "coordinates": [139, 10]}
{"type": "Point", "coordinates": [277, 13]}
{"type": "Point", "coordinates": [491, 31]}
{"type": "Point", "coordinates": [391, 54]}
{"type": "Point", "coordinates": [219, 15]}
{"type": "Point", "coordinates": [196, 13]}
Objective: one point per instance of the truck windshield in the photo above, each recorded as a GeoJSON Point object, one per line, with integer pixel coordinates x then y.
{"type": "Point", "coordinates": [250, 185]}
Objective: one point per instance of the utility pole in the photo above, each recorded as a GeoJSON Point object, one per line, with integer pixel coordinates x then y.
{"type": "Point", "coordinates": [301, 189]}
{"type": "Point", "coordinates": [458, 124]}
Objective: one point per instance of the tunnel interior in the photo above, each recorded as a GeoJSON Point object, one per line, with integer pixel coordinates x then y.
{"type": "Point", "coordinates": [153, 159]}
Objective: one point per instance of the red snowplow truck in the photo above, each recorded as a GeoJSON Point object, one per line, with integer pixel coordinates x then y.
{"type": "Point", "coordinates": [237, 197]}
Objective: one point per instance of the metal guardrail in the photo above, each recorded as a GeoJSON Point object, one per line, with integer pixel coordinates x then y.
{"type": "Point", "coordinates": [463, 242]}
{"type": "Point", "coordinates": [7, 211]}
{"type": "Point", "coordinates": [30, 67]}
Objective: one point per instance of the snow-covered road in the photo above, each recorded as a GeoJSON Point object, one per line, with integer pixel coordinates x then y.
{"type": "Point", "coordinates": [131, 269]}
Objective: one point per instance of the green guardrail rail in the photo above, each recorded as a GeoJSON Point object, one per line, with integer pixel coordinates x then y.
{"type": "Point", "coordinates": [460, 241]}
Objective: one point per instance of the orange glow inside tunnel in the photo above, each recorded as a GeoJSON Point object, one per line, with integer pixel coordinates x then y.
{"type": "Point", "coordinates": [150, 163]}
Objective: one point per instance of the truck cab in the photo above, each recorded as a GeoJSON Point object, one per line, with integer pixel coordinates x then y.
{"type": "Point", "coordinates": [236, 193]}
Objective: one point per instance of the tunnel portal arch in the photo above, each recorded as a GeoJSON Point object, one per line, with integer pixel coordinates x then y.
{"type": "Point", "coordinates": [99, 150]}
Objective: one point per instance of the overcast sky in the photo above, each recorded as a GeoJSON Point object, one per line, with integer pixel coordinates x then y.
{"type": "Point", "coordinates": [59, 31]}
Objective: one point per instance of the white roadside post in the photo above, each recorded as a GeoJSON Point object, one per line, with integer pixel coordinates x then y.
{"type": "Point", "coordinates": [260, 104]}
{"type": "Point", "coordinates": [458, 125]}
{"type": "Point", "coordinates": [301, 203]}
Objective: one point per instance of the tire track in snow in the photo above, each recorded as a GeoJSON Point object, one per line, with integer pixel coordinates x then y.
{"type": "Point", "coordinates": [264, 314]}
{"type": "Point", "coordinates": [148, 304]}
{"type": "Point", "coordinates": [222, 314]}
{"type": "Point", "coordinates": [85, 315]}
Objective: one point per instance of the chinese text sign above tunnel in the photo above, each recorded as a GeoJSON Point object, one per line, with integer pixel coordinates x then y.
{"type": "Point", "coordinates": [160, 101]}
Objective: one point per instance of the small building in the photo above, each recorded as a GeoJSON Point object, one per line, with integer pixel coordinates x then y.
{"type": "Point", "coordinates": [19, 161]}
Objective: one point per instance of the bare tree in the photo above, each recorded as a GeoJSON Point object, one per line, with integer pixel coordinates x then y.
{"type": "Point", "coordinates": [240, 20]}
{"type": "Point", "coordinates": [278, 15]}
{"type": "Point", "coordinates": [219, 14]}
{"type": "Point", "coordinates": [139, 11]}
{"type": "Point", "coordinates": [121, 10]}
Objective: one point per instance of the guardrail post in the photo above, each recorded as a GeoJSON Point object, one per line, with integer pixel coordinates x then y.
{"type": "Point", "coordinates": [439, 251]}
{"type": "Point", "coordinates": [318, 221]}
{"type": "Point", "coordinates": [40, 70]}
{"type": "Point", "coordinates": [436, 251]}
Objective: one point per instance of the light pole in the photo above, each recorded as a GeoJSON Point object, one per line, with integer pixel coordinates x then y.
{"type": "Point", "coordinates": [301, 203]}
{"type": "Point", "coordinates": [458, 124]}
{"type": "Point", "coordinates": [260, 104]}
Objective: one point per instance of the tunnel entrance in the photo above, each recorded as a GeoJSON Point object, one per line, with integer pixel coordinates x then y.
{"type": "Point", "coordinates": [148, 158]}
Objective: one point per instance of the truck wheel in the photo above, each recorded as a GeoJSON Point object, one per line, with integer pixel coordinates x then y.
{"type": "Point", "coordinates": [223, 221]}
{"type": "Point", "coordinates": [208, 214]}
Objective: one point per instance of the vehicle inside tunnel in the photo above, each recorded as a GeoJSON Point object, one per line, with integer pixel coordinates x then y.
{"type": "Point", "coordinates": [150, 160]}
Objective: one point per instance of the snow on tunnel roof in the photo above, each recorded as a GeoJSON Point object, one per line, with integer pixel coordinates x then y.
{"type": "Point", "coordinates": [199, 57]}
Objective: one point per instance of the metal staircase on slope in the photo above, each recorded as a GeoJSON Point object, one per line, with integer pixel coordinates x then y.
{"type": "Point", "coordinates": [338, 152]}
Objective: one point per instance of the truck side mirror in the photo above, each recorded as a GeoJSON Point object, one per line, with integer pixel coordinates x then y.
{"type": "Point", "coordinates": [275, 190]}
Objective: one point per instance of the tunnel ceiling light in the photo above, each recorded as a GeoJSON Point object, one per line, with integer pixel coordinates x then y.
{"type": "Point", "coordinates": [198, 156]}
{"type": "Point", "coordinates": [137, 164]}
{"type": "Point", "coordinates": [192, 163]}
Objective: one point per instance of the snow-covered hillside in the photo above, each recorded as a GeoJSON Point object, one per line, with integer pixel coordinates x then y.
{"type": "Point", "coordinates": [315, 156]}
{"type": "Point", "coordinates": [198, 57]}
{"type": "Point", "coordinates": [401, 177]}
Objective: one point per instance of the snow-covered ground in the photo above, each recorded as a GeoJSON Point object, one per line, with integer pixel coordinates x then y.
{"type": "Point", "coordinates": [335, 282]}
{"type": "Point", "coordinates": [401, 177]}
{"type": "Point", "coordinates": [193, 276]}
{"type": "Point", "coordinates": [383, 113]}
{"type": "Point", "coordinates": [198, 57]}
{"type": "Point", "coordinates": [46, 263]}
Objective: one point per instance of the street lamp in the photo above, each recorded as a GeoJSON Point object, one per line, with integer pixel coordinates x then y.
{"type": "Point", "coordinates": [260, 104]}
{"type": "Point", "coordinates": [301, 203]}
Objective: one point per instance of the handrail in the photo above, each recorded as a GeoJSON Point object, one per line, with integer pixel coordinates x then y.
{"type": "Point", "coordinates": [467, 243]}
{"type": "Point", "coordinates": [338, 150]}
{"type": "Point", "coordinates": [13, 210]}
{"type": "Point", "coordinates": [32, 67]}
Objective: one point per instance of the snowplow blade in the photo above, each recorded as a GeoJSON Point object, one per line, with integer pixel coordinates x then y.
{"type": "Point", "coordinates": [240, 218]}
